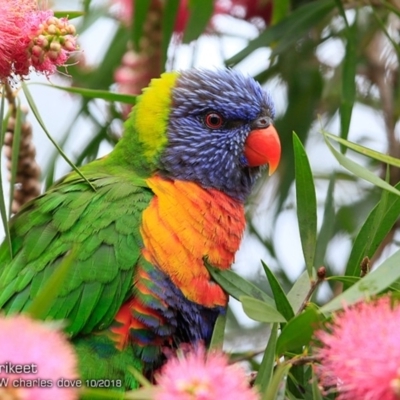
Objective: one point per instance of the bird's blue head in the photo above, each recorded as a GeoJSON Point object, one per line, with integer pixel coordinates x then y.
{"type": "Point", "coordinates": [219, 131]}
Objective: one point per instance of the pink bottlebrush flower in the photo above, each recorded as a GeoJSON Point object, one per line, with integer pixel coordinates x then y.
{"type": "Point", "coordinates": [360, 352]}
{"type": "Point", "coordinates": [32, 39]}
{"type": "Point", "coordinates": [33, 357]}
{"type": "Point", "coordinates": [201, 376]}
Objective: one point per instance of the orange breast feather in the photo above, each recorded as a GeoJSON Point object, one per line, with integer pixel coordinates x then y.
{"type": "Point", "coordinates": [184, 223]}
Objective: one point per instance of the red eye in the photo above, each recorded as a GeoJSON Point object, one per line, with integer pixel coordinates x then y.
{"type": "Point", "coordinates": [214, 120]}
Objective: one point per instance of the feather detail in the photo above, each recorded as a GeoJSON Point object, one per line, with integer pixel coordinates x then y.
{"type": "Point", "coordinates": [158, 316]}
{"type": "Point", "coordinates": [154, 105]}
{"type": "Point", "coordinates": [191, 223]}
{"type": "Point", "coordinates": [103, 225]}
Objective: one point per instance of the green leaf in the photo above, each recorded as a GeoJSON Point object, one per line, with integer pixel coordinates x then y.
{"type": "Point", "coordinates": [280, 9]}
{"type": "Point", "coordinates": [171, 8]}
{"type": "Point", "coordinates": [298, 331]}
{"type": "Point", "coordinates": [100, 394]}
{"type": "Point", "coordinates": [102, 77]}
{"type": "Point", "coordinates": [41, 304]}
{"type": "Point", "coordinates": [41, 123]}
{"type": "Point", "coordinates": [342, 12]}
{"type": "Point", "coordinates": [276, 389]}
{"type": "Point", "coordinates": [373, 283]}
{"type": "Point", "coordinates": [360, 171]}
{"type": "Point", "coordinates": [316, 392]}
{"type": "Point", "coordinates": [383, 26]}
{"type": "Point", "coordinates": [217, 339]}
{"type": "Point", "coordinates": [391, 8]}
{"type": "Point", "coordinates": [94, 93]}
{"type": "Point", "coordinates": [266, 370]}
{"type": "Point", "coordinates": [377, 225]}
{"type": "Point", "coordinates": [139, 377]}
{"type": "Point", "coordinates": [260, 311]}
{"type": "Point", "coordinates": [15, 150]}
{"type": "Point", "coordinates": [311, 15]}
{"type": "Point", "coordinates": [3, 211]}
{"type": "Point", "coordinates": [139, 16]}
{"type": "Point", "coordinates": [299, 291]}
{"type": "Point", "coordinates": [306, 203]}
{"type": "Point", "coordinates": [350, 280]}
{"type": "Point", "coordinates": [51, 161]}
{"type": "Point", "coordinates": [281, 301]}
{"type": "Point", "coordinates": [348, 82]}
{"type": "Point", "coordinates": [141, 394]}
{"type": "Point", "coordinates": [200, 13]}
{"type": "Point", "coordinates": [68, 14]}
{"type": "Point", "coordinates": [289, 30]}
{"type": "Point", "coordinates": [328, 225]}
{"type": "Point", "coordinates": [146, 393]}
{"type": "Point", "coordinates": [376, 155]}
{"type": "Point", "coordinates": [236, 286]}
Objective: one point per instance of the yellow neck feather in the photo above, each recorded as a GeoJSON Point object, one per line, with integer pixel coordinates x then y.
{"type": "Point", "coordinates": [152, 111]}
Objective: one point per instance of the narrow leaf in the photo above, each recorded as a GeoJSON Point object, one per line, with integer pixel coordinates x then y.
{"type": "Point", "coordinates": [41, 304]}
{"type": "Point", "coordinates": [306, 203]}
{"type": "Point", "coordinates": [141, 394]}
{"type": "Point", "coordinates": [342, 12]}
{"type": "Point", "coordinates": [349, 280]}
{"type": "Point", "coordinates": [298, 331]}
{"type": "Point", "coordinates": [299, 291]}
{"type": "Point", "coordinates": [102, 77]}
{"type": "Point", "coordinates": [142, 380]}
{"type": "Point", "coordinates": [2, 200]}
{"type": "Point", "coordinates": [377, 225]}
{"type": "Point", "coordinates": [139, 15]}
{"type": "Point", "coordinates": [101, 394]}
{"type": "Point", "coordinates": [236, 286]}
{"type": "Point", "coordinates": [41, 123]}
{"type": "Point", "coordinates": [260, 311]}
{"type": "Point", "coordinates": [68, 14]}
{"type": "Point", "coordinates": [383, 26]}
{"type": "Point", "coordinates": [200, 13]}
{"type": "Point", "coordinates": [145, 393]}
{"type": "Point", "coordinates": [217, 339]}
{"type": "Point", "coordinates": [266, 370]}
{"type": "Point", "coordinates": [373, 283]}
{"type": "Point", "coordinates": [391, 7]}
{"type": "Point", "coordinates": [15, 151]}
{"type": "Point", "coordinates": [348, 82]}
{"type": "Point", "coordinates": [278, 383]}
{"type": "Point", "coordinates": [328, 224]}
{"type": "Point", "coordinates": [360, 171]}
{"type": "Point", "coordinates": [281, 301]}
{"type": "Point", "coordinates": [316, 392]}
{"type": "Point", "coordinates": [379, 215]}
{"type": "Point", "coordinates": [280, 9]}
{"type": "Point", "coordinates": [289, 30]}
{"type": "Point", "coordinates": [93, 93]}
{"type": "Point", "coordinates": [171, 8]}
{"type": "Point", "coordinates": [376, 155]}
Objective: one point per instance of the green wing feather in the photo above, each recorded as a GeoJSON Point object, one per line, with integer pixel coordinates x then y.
{"type": "Point", "coordinates": [102, 226]}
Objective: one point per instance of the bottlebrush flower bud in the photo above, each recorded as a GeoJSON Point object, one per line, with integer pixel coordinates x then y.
{"type": "Point", "coordinates": [52, 29]}
{"type": "Point", "coordinates": [32, 39]}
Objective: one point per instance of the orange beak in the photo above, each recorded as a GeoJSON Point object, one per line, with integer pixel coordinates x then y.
{"type": "Point", "coordinates": [262, 147]}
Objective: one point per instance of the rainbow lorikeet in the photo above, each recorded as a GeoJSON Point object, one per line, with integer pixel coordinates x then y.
{"type": "Point", "coordinates": [169, 194]}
